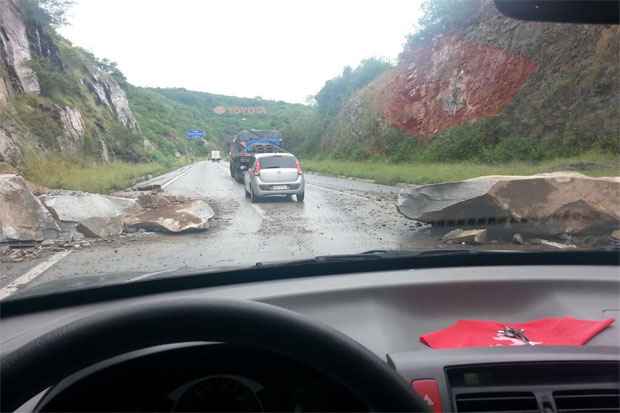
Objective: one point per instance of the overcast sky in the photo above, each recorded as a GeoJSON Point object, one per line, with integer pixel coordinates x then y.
{"type": "Point", "coordinates": [276, 49]}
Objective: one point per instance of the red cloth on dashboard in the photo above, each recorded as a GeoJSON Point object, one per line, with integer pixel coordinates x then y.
{"type": "Point", "coordinates": [560, 331]}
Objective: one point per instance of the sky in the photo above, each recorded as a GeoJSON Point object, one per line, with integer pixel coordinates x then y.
{"type": "Point", "coordinates": [275, 49]}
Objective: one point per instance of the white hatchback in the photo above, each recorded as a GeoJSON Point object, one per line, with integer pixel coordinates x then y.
{"type": "Point", "coordinates": [274, 174]}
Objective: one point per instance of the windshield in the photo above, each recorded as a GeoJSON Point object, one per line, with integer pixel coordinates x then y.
{"type": "Point", "coordinates": [129, 134]}
{"type": "Point", "coordinates": [277, 162]}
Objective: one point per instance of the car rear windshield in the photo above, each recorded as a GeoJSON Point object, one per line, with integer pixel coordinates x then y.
{"type": "Point", "coordinates": [277, 162]}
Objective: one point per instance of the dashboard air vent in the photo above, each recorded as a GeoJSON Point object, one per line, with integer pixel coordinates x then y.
{"type": "Point", "coordinates": [497, 402]}
{"type": "Point", "coordinates": [591, 400]}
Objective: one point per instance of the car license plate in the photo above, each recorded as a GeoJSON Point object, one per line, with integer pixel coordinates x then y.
{"type": "Point", "coordinates": [279, 187]}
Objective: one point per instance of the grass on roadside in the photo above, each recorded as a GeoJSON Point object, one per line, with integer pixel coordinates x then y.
{"type": "Point", "coordinates": [89, 176]}
{"type": "Point", "coordinates": [390, 173]}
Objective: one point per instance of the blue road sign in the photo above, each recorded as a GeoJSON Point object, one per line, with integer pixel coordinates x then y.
{"type": "Point", "coordinates": [195, 134]}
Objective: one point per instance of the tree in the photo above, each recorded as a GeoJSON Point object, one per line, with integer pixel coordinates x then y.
{"type": "Point", "coordinates": [440, 16]}
{"type": "Point", "coordinates": [333, 95]}
{"type": "Point", "coordinates": [111, 68]}
{"type": "Point", "coordinates": [47, 12]}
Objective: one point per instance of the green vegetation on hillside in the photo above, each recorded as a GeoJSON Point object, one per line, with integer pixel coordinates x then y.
{"type": "Point", "coordinates": [564, 111]}
{"type": "Point", "coordinates": [425, 172]}
{"type": "Point", "coordinates": [333, 95]}
{"type": "Point", "coordinates": [74, 80]}
{"type": "Point", "coordinates": [90, 175]}
{"type": "Point", "coordinates": [442, 16]}
{"type": "Point", "coordinates": [309, 131]}
{"type": "Point", "coordinates": [166, 114]}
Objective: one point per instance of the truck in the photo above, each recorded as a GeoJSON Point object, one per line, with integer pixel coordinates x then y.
{"type": "Point", "coordinates": [249, 142]}
{"type": "Point", "coordinates": [216, 156]}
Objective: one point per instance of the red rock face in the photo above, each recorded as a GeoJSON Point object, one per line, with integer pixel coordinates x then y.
{"type": "Point", "coordinates": [451, 82]}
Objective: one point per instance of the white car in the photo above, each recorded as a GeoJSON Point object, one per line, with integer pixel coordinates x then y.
{"type": "Point", "coordinates": [274, 174]}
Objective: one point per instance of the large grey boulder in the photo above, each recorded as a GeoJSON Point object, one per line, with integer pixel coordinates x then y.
{"type": "Point", "coordinates": [173, 217]}
{"type": "Point", "coordinates": [545, 204]}
{"type": "Point", "coordinates": [105, 228]}
{"type": "Point", "coordinates": [22, 216]}
{"type": "Point", "coordinates": [73, 206]}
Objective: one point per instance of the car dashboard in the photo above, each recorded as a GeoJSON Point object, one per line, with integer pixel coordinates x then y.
{"type": "Point", "coordinates": [386, 312]}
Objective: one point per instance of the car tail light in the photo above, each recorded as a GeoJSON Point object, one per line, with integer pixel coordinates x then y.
{"type": "Point", "coordinates": [257, 168]}
{"type": "Point", "coordinates": [298, 165]}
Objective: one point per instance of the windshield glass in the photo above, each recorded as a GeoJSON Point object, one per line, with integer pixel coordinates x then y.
{"type": "Point", "coordinates": [128, 134]}
{"type": "Point", "coordinates": [277, 162]}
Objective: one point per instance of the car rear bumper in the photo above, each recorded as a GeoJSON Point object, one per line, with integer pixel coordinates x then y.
{"type": "Point", "coordinates": [278, 188]}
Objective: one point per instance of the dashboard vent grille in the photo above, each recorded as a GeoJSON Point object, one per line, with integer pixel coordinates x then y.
{"type": "Point", "coordinates": [591, 400]}
{"type": "Point", "coordinates": [497, 402]}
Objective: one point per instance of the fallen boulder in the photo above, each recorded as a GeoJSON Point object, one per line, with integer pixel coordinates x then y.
{"type": "Point", "coordinates": [545, 204]}
{"type": "Point", "coordinates": [101, 227]}
{"type": "Point", "coordinates": [174, 217]}
{"type": "Point", "coordinates": [153, 200]}
{"type": "Point", "coordinates": [73, 206]}
{"type": "Point", "coordinates": [22, 216]}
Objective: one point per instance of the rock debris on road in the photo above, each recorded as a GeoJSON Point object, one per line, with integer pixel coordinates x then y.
{"type": "Point", "coordinates": [338, 216]}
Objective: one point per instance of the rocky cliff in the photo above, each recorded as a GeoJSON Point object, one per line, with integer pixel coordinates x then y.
{"type": "Point", "coordinates": [54, 97]}
{"type": "Point", "coordinates": [541, 81]}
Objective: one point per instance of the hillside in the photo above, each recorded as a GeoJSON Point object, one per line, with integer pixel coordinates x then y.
{"type": "Point", "coordinates": [60, 100]}
{"type": "Point", "coordinates": [475, 85]}
{"type": "Point", "coordinates": [56, 98]}
{"type": "Point", "coordinates": [165, 114]}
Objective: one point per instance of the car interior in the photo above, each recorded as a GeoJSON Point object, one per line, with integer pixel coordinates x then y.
{"type": "Point", "coordinates": [333, 334]}
{"type": "Point", "coordinates": [324, 336]}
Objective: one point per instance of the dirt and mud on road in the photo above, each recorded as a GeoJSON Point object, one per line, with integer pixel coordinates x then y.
{"type": "Point", "coordinates": [338, 216]}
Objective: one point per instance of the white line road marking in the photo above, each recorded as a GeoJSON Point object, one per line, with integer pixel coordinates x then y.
{"type": "Point", "coordinates": [32, 274]}
{"type": "Point", "coordinates": [182, 174]}
{"type": "Point", "coordinates": [339, 192]}
{"type": "Point", "coordinates": [143, 276]}
{"type": "Point", "coordinates": [259, 210]}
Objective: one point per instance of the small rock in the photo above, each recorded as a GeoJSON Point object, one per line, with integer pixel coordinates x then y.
{"type": "Point", "coordinates": [76, 246]}
{"type": "Point", "coordinates": [48, 243]}
{"type": "Point", "coordinates": [150, 187]}
{"type": "Point", "coordinates": [616, 234]}
{"type": "Point", "coordinates": [457, 236]}
{"type": "Point", "coordinates": [518, 239]}
{"type": "Point", "coordinates": [553, 244]}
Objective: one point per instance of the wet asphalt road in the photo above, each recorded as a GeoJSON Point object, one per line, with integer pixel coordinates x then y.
{"type": "Point", "coordinates": [338, 216]}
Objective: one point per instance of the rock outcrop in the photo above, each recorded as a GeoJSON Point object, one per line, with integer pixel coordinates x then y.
{"type": "Point", "coordinates": [24, 42]}
{"type": "Point", "coordinates": [109, 93]}
{"type": "Point", "coordinates": [10, 151]}
{"type": "Point", "coordinates": [22, 216]}
{"type": "Point", "coordinates": [15, 52]}
{"type": "Point", "coordinates": [532, 73]}
{"type": "Point", "coordinates": [542, 205]}
{"type": "Point", "coordinates": [73, 126]}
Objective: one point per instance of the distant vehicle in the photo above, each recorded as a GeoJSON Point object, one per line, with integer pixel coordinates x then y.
{"type": "Point", "coordinates": [216, 156]}
{"type": "Point", "coordinates": [274, 174]}
{"type": "Point", "coordinates": [249, 142]}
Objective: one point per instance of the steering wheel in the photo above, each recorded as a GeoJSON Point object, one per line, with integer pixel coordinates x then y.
{"type": "Point", "coordinates": [62, 352]}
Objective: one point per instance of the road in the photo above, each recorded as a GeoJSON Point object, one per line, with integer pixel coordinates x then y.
{"type": "Point", "coordinates": [338, 216]}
